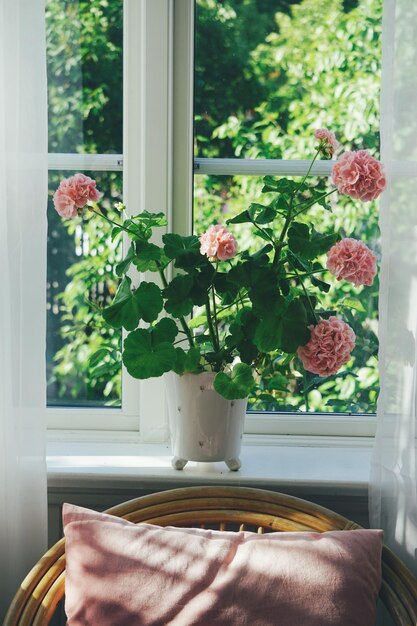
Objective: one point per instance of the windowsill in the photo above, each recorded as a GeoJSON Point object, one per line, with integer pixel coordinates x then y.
{"type": "Point", "coordinates": [309, 465]}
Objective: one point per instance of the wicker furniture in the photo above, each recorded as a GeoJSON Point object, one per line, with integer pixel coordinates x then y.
{"type": "Point", "coordinates": [225, 508]}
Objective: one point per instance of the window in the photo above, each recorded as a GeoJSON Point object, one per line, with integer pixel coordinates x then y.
{"type": "Point", "coordinates": [154, 170]}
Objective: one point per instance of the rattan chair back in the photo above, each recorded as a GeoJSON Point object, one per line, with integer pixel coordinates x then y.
{"type": "Point", "coordinates": [224, 508]}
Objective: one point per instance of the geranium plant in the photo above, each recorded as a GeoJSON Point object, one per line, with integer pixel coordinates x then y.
{"type": "Point", "coordinates": [216, 307]}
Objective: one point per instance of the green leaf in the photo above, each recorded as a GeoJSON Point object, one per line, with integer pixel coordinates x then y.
{"type": "Point", "coordinates": [122, 267]}
{"type": "Point", "coordinates": [298, 238]}
{"type": "Point", "coordinates": [263, 291]}
{"type": "Point", "coordinates": [165, 330]}
{"type": "Point", "coordinates": [187, 362]}
{"type": "Point", "coordinates": [309, 245]}
{"type": "Point", "coordinates": [124, 310]}
{"type": "Point", "coordinates": [185, 251]}
{"type": "Point", "coordinates": [149, 257]}
{"type": "Point", "coordinates": [176, 245]}
{"type": "Point", "coordinates": [225, 288]}
{"type": "Point", "coordinates": [268, 333]}
{"type": "Point", "coordinates": [151, 220]}
{"type": "Point", "coordinates": [146, 358]}
{"type": "Point", "coordinates": [266, 234]}
{"type": "Point", "coordinates": [281, 204]}
{"type": "Point", "coordinates": [322, 243]}
{"type": "Point", "coordinates": [317, 282]}
{"type": "Point", "coordinates": [283, 327]}
{"type": "Point", "coordinates": [241, 218]}
{"type": "Point", "coordinates": [294, 326]}
{"type": "Point", "coordinates": [178, 302]}
{"type": "Point", "coordinates": [241, 332]}
{"type": "Point", "coordinates": [198, 320]}
{"type": "Point", "coordinates": [116, 230]}
{"type": "Point", "coordinates": [137, 232]}
{"type": "Point", "coordinates": [266, 216]}
{"type": "Point", "coordinates": [149, 301]}
{"type": "Point", "coordinates": [322, 202]}
{"type": "Point", "coordinates": [353, 303]}
{"type": "Point", "coordinates": [129, 307]}
{"type": "Point", "coordinates": [278, 382]}
{"type": "Point", "coordinates": [150, 352]}
{"type": "Point", "coordinates": [237, 385]}
{"type": "Point", "coordinates": [203, 278]}
{"type": "Point", "coordinates": [282, 185]}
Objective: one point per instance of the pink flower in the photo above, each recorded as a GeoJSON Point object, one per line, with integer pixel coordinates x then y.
{"type": "Point", "coordinates": [328, 142]}
{"type": "Point", "coordinates": [352, 260]}
{"type": "Point", "coordinates": [218, 243]}
{"type": "Point", "coordinates": [73, 194]}
{"type": "Point", "coordinates": [359, 175]}
{"type": "Point", "coordinates": [329, 347]}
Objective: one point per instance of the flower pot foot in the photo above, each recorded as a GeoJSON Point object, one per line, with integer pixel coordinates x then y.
{"type": "Point", "coordinates": [178, 463]}
{"type": "Point", "coordinates": [234, 464]}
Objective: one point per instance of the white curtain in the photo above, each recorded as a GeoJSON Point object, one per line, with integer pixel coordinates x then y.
{"type": "Point", "coordinates": [23, 184]}
{"type": "Point", "coordinates": [393, 498]}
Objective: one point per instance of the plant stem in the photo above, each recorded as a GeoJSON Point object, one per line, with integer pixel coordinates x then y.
{"type": "Point", "coordinates": [238, 295]}
{"type": "Point", "coordinates": [305, 292]}
{"type": "Point", "coordinates": [181, 319]}
{"type": "Point", "coordinates": [309, 169]}
{"type": "Point", "coordinates": [290, 215]}
{"type": "Point", "coordinates": [279, 244]}
{"type": "Point", "coordinates": [321, 271]}
{"type": "Point", "coordinates": [213, 338]}
{"type": "Point", "coordinates": [216, 328]}
{"type": "Point", "coordinates": [126, 230]}
{"type": "Point", "coordinates": [305, 392]}
{"type": "Point", "coordinates": [262, 230]}
{"type": "Point", "coordinates": [309, 204]}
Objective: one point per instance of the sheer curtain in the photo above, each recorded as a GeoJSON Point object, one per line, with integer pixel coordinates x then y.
{"type": "Point", "coordinates": [23, 183]}
{"type": "Point", "coordinates": [393, 498]}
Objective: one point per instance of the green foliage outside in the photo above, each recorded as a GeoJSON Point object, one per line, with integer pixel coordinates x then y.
{"type": "Point", "coordinates": [264, 81]}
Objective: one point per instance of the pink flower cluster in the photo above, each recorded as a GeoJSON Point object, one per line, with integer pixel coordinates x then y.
{"type": "Point", "coordinates": [73, 194]}
{"type": "Point", "coordinates": [218, 243]}
{"type": "Point", "coordinates": [329, 347]}
{"type": "Point", "coordinates": [359, 175]}
{"type": "Point", "coordinates": [352, 260]}
{"type": "Point", "coordinates": [328, 142]}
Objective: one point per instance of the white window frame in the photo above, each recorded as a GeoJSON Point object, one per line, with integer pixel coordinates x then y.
{"type": "Point", "coordinates": [158, 175]}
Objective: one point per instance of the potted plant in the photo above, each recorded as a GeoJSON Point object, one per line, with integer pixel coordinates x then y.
{"type": "Point", "coordinates": [216, 313]}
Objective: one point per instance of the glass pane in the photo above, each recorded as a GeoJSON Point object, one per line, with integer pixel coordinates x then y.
{"type": "Point", "coordinates": [267, 72]}
{"type": "Point", "coordinates": [80, 281]}
{"type": "Point", "coordinates": [281, 385]}
{"type": "Point", "coordinates": [85, 75]}
{"type": "Point", "coordinates": [85, 98]}
{"type": "Point", "coordinates": [266, 75]}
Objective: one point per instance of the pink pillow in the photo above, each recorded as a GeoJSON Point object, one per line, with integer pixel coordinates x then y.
{"type": "Point", "coordinates": [122, 574]}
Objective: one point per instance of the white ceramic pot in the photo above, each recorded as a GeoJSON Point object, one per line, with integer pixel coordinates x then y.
{"type": "Point", "coordinates": [204, 426]}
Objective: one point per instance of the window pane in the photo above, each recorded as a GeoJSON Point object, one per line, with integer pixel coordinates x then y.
{"type": "Point", "coordinates": [280, 384]}
{"type": "Point", "coordinates": [268, 72]}
{"type": "Point", "coordinates": [266, 75]}
{"type": "Point", "coordinates": [81, 258]}
{"type": "Point", "coordinates": [85, 103]}
{"type": "Point", "coordinates": [85, 66]}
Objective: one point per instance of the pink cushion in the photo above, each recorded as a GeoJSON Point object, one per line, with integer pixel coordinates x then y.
{"type": "Point", "coordinates": [120, 574]}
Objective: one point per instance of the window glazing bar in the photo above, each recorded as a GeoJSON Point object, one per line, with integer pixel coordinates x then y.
{"type": "Point", "coordinates": [260, 167]}
{"type": "Point", "coordinates": [93, 162]}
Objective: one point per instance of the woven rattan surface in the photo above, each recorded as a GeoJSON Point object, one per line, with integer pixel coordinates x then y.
{"type": "Point", "coordinates": [227, 508]}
